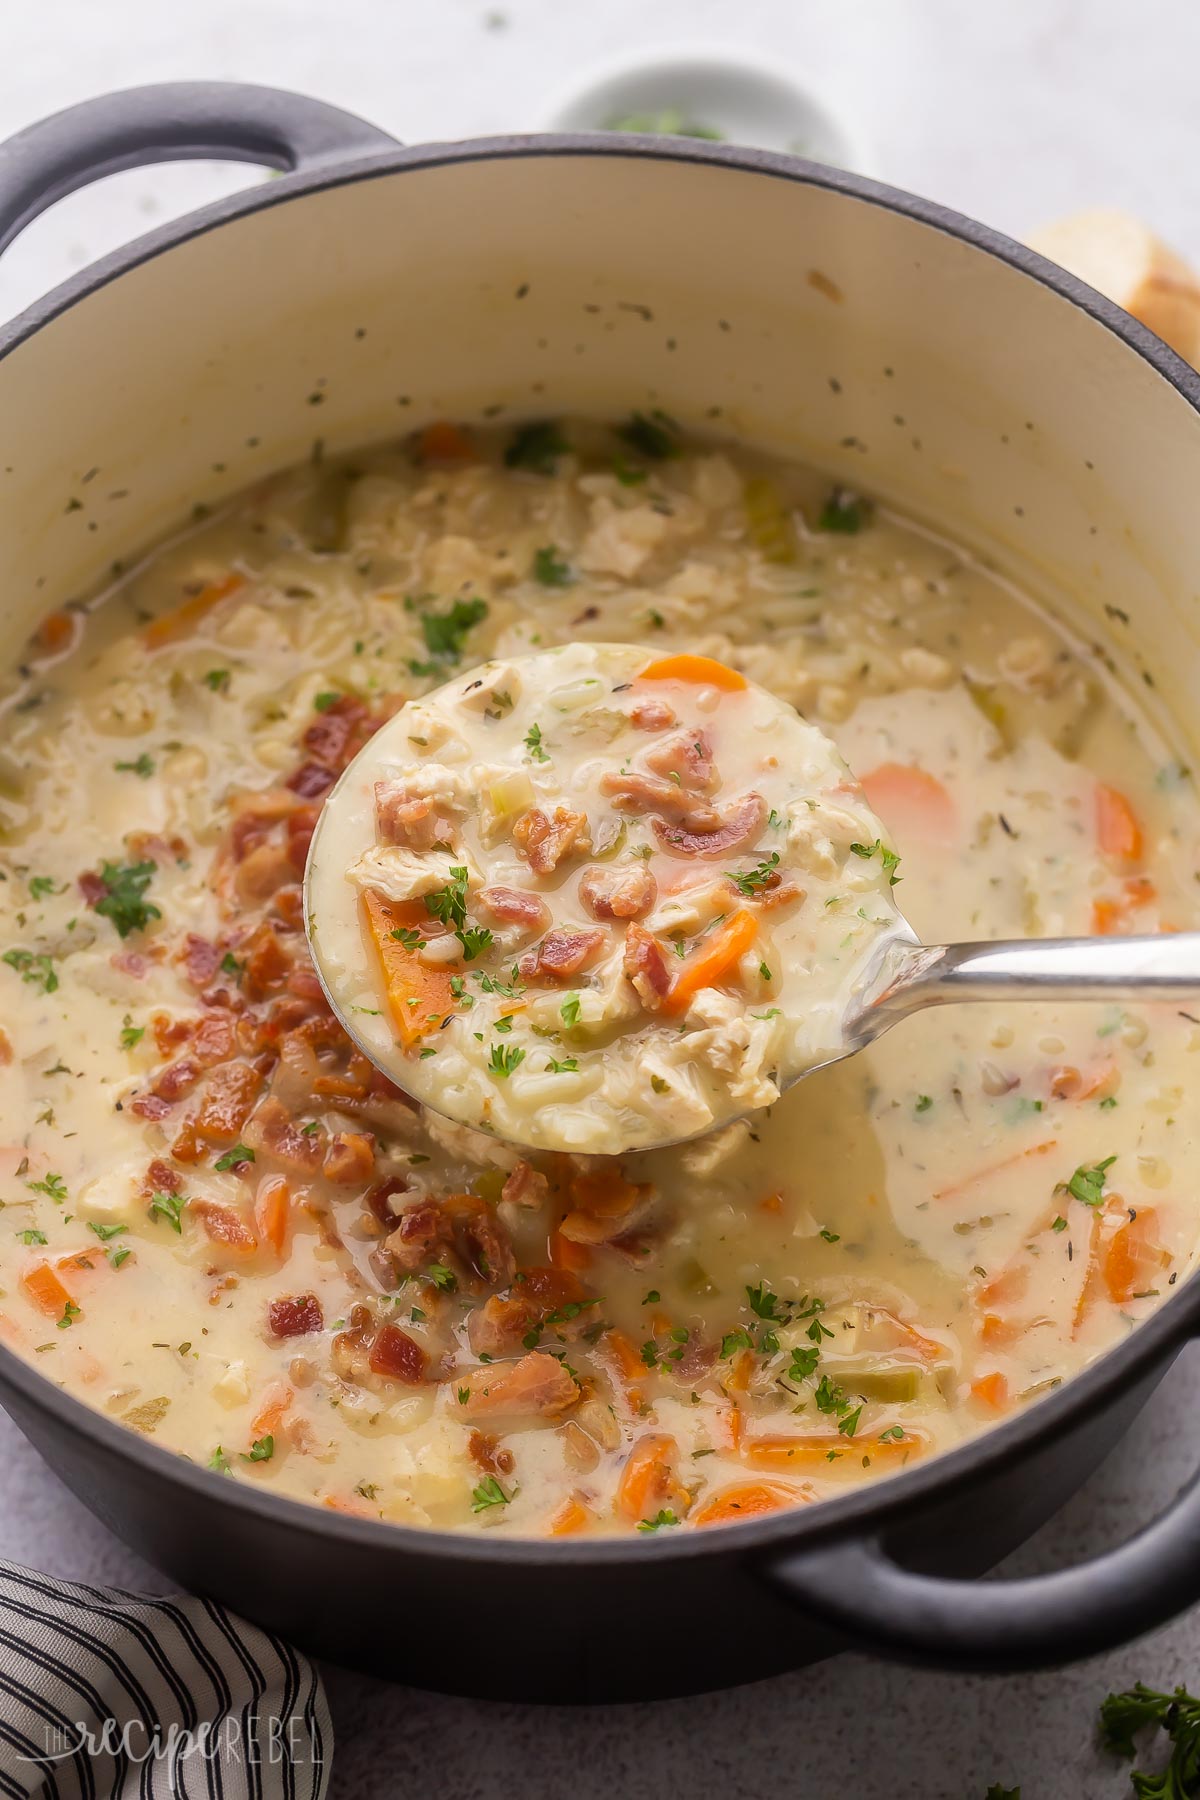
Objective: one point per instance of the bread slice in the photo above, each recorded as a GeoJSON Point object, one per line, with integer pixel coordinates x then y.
{"type": "Point", "coordinates": [1122, 258]}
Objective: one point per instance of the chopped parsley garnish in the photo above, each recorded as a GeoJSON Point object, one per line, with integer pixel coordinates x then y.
{"type": "Point", "coordinates": [409, 936]}
{"type": "Point", "coordinates": [1087, 1184]}
{"type": "Point", "coordinates": [665, 1517]}
{"type": "Point", "coordinates": [888, 857]}
{"type": "Point", "coordinates": [30, 1236]}
{"type": "Point", "coordinates": [168, 1207]}
{"type": "Point", "coordinates": [1060, 1224]}
{"type": "Point", "coordinates": [649, 1354]}
{"type": "Point", "coordinates": [831, 1398]}
{"type": "Point", "coordinates": [569, 1011]}
{"type": "Point", "coordinates": [1122, 1716]}
{"type": "Point", "coordinates": [844, 512]}
{"type": "Point", "coordinates": [537, 447]}
{"type": "Point", "coordinates": [764, 1302]}
{"type": "Point", "coordinates": [830, 1237]}
{"type": "Point", "coordinates": [549, 568]}
{"type": "Point", "coordinates": [488, 1493]}
{"type": "Point", "coordinates": [37, 969]}
{"type": "Point", "coordinates": [442, 1278]}
{"type": "Point", "coordinates": [233, 1159]}
{"type": "Point", "coordinates": [323, 702]}
{"type": "Point", "coordinates": [131, 1035]}
{"type": "Point", "coordinates": [449, 905]}
{"type": "Point", "coordinates": [474, 940]}
{"type": "Point", "coordinates": [41, 885]}
{"type": "Point", "coordinates": [70, 1314]}
{"type": "Point", "coordinates": [261, 1450]}
{"type": "Point", "coordinates": [117, 1257]}
{"type": "Point", "coordinates": [217, 680]}
{"type": "Point", "coordinates": [105, 1232]}
{"type": "Point", "coordinates": [652, 1298]}
{"type": "Point", "coordinates": [653, 434]}
{"type": "Point", "coordinates": [567, 1066]}
{"type": "Point", "coordinates": [54, 1185]}
{"type": "Point", "coordinates": [752, 881]}
{"type": "Point", "coordinates": [924, 1102]}
{"type": "Point", "coordinates": [142, 765]}
{"type": "Point", "coordinates": [504, 1059]}
{"type": "Point", "coordinates": [733, 1341]}
{"type": "Point", "coordinates": [445, 634]}
{"type": "Point", "coordinates": [804, 1362]}
{"type": "Point", "coordinates": [122, 901]}
{"type": "Point", "coordinates": [535, 745]}
{"type": "Point", "coordinates": [219, 1461]}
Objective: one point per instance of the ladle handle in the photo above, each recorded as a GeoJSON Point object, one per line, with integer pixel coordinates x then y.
{"type": "Point", "coordinates": [1164, 967]}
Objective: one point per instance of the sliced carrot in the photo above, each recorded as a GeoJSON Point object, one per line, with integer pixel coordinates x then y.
{"type": "Point", "coordinates": [1009, 1162]}
{"type": "Point", "coordinates": [912, 803]}
{"type": "Point", "coordinates": [702, 671]}
{"type": "Point", "coordinates": [741, 1368]}
{"type": "Point", "coordinates": [340, 1503]}
{"type": "Point", "coordinates": [648, 1483]}
{"type": "Point", "coordinates": [997, 1332]}
{"type": "Point", "coordinates": [272, 1212]}
{"type": "Point", "coordinates": [626, 1366]}
{"type": "Point", "coordinates": [821, 1452]}
{"type": "Point", "coordinates": [991, 1390]}
{"type": "Point", "coordinates": [714, 961]}
{"type": "Point", "coordinates": [565, 1254]}
{"type": "Point", "coordinates": [1118, 832]}
{"type": "Point", "coordinates": [418, 993]}
{"type": "Point", "coordinates": [746, 1500]}
{"type": "Point", "coordinates": [571, 1517]}
{"type": "Point", "coordinates": [186, 617]}
{"type": "Point", "coordinates": [445, 443]}
{"type": "Point", "coordinates": [1133, 1260]}
{"type": "Point", "coordinates": [46, 1290]}
{"type": "Point", "coordinates": [272, 1410]}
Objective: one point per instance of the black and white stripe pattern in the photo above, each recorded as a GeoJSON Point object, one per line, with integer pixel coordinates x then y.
{"type": "Point", "coordinates": [113, 1696]}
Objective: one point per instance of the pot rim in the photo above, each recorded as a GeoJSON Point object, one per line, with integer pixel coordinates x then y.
{"type": "Point", "coordinates": [864, 1511]}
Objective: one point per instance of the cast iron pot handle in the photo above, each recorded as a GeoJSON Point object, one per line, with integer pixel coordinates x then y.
{"type": "Point", "coordinates": [1004, 1626]}
{"type": "Point", "coordinates": [224, 120]}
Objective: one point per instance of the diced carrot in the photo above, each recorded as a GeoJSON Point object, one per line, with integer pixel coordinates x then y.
{"type": "Point", "coordinates": [272, 1212]}
{"type": "Point", "coordinates": [445, 443]}
{"type": "Point", "coordinates": [56, 632]}
{"type": "Point", "coordinates": [1110, 912]}
{"type": "Point", "coordinates": [745, 1500]}
{"type": "Point", "coordinates": [958, 1188]}
{"type": "Point", "coordinates": [648, 1483]}
{"type": "Point", "coordinates": [1069, 1083]}
{"type": "Point", "coordinates": [46, 1290]}
{"type": "Point", "coordinates": [1133, 1260]}
{"type": "Point", "coordinates": [571, 1517]}
{"type": "Point", "coordinates": [997, 1332]}
{"type": "Point", "coordinates": [913, 804]}
{"type": "Point", "coordinates": [1118, 832]}
{"type": "Point", "coordinates": [714, 961]}
{"type": "Point", "coordinates": [418, 993]}
{"type": "Point", "coordinates": [186, 617]}
{"type": "Point", "coordinates": [702, 671]}
{"type": "Point", "coordinates": [624, 1352]}
{"type": "Point", "coordinates": [771, 1203]}
{"type": "Point", "coordinates": [272, 1411]}
{"type": "Point", "coordinates": [565, 1254]}
{"type": "Point", "coordinates": [991, 1391]}
{"type": "Point", "coordinates": [821, 1452]}
{"type": "Point", "coordinates": [741, 1368]}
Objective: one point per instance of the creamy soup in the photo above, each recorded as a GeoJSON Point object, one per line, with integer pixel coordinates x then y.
{"type": "Point", "coordinates": [617, 900]}
{"type": "Point", "coordinates": [223, 1227]}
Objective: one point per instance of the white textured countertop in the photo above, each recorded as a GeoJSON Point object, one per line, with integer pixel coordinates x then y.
{"type": "Point", "coordinates": [1012, 113]}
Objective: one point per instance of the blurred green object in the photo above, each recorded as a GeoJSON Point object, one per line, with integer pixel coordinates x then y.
{"type": "Point", "coordinates": [668, 121]}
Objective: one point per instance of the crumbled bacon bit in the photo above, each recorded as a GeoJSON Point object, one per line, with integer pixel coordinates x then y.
{"type": "Point", "coordinates": [177, 1079]}
{"type": "Point", "coordinates": [544, 840]}
{"type": "Point", "coordinates": [213, 1040]}
{"type": "Point", "coordinates": [646, 966]}
{"type": "Point", "coordinates": [739, 827]}
{"type": "Point", "coordinates": [417, 820]}
{"type": "Point", "coordinates": [623, 893]}
{"type": "Point", "coordinates": [150, 1106]}
{"type": "Point", "coordinates": [228, 1099]}
{"type": "Point", "coordinates": [275, 1133]}
{"type": "Point", "coordinates": [267, 962]}
{"type": "Point", "coordinates": [651, 715]}
{"type": "Point", "coordinates": [300, 828]}
{"type": "Point", "coordinates": [350, 1158]}
{"type": "Point", "coordinates": [513, 906]}
{"type": "Point", "coordinates": [397, 1356]}
{"type": "Point", "coordinates": [295, 1316]}
{"type": "Point", "coordinates": [200, 959]}
{"type": "Point", "coordinates": [526, 1186]}
{"type": "Point", "coordinates": [224, 1226]}
{"type": "Point", "coordinates": [483, 1244]}
{"type": "Point", "coordinates": [92, 887]}
{"type": "Point", "coordinates": [561, 955]}
{"type": "Point", "coordinates": [379, 1198]}
{"type": "Point", "coordinates": [481, 1448]}
{"type": "Point", "coordinates": [161, 1178]}
{"type": "Point", "coordinates": [312, 780]}
{"type": "Point", "coordinates": [422, 1234]}
{"type": "Point", "coordinates": [603, 1206]}
{"type": "Point", "coordinates": [685, 758]}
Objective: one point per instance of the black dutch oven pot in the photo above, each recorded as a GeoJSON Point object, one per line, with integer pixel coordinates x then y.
{"type": "Point", "coordinates": [373, 287]}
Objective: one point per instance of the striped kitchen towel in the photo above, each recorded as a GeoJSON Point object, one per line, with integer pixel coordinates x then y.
{"type": "Point", "coordinates": [111, 1696]}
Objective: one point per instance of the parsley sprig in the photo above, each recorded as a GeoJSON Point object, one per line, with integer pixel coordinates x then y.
{"type": "Point", "coordinates": [889, 858]}
{"type": "Point", "coordinates": [449, 905]}
{"type": "Point", "coordinates": [123, 898]}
